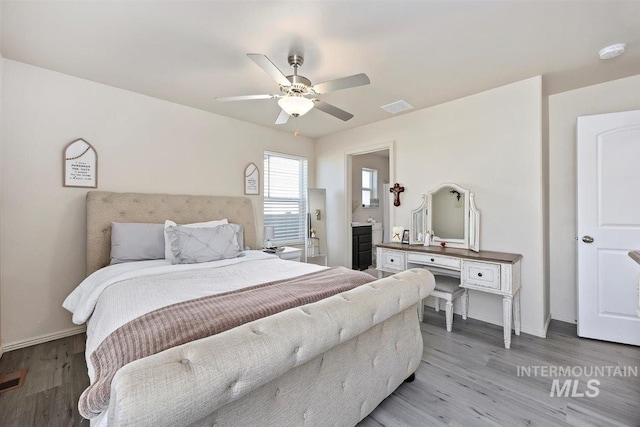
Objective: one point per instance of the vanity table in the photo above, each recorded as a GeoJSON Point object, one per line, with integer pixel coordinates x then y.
{"type": "Point", "coordinates": [448, 214]}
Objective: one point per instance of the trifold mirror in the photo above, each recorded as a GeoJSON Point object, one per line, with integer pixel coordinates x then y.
{"type": "Point", "coordinates": [448, 214]}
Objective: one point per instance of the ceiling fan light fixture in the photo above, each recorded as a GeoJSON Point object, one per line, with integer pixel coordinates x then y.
{"type": "Point", "coordinates": [295, 106]}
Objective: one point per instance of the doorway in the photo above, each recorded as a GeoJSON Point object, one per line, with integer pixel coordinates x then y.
{"type": "Point", "coordinates": [369, 172]}
{"type": "Point", "coordinates": [608, 149]}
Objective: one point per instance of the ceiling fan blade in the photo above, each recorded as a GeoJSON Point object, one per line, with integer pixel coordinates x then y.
{"type": "Point", "coordinates": [245, 98]}
{"type": "Point", "coordinates": [283, 118]}
{"type": "Point", "coordinates": [263, 62]}
{"type": "Point", "coordinates": [343, 83]}
{"type": "Point", "coordinates": [332, 110]}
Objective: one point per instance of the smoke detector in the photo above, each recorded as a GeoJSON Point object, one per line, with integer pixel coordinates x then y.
{"type": "Point", "coordinates": [612, 51]}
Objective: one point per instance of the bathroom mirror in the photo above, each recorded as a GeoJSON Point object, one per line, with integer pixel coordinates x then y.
{"type": "Point", "coordinates": [316, 244]}
{"type": "Point", "coordinates": [452, 217]}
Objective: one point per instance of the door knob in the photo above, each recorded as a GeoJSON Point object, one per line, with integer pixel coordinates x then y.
{"type": "Point", "coordinates": [587, 239]}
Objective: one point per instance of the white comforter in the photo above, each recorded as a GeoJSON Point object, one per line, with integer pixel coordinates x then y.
{"type": "Point", "coordinates": [117, 294]}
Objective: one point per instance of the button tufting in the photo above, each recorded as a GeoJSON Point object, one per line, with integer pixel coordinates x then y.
{"type": "Point", "coordinates": [344, 385]}
{"type": "Point", "coordinates": [296, 350]}
{"type": "Point", "coordinates": [304, 415]}
{"type": "Point", "coordinates": [185, 361]}
{"type": "Point", "coordinates": [277, 391]}
{"type": "Point", "coordinates": [233, 384]}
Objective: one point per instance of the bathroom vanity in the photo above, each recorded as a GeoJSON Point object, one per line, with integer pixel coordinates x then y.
{"type": "Point", "coordinates": [361, 252]}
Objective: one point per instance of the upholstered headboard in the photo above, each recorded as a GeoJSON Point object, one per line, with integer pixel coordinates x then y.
{"type": "Point", "coordinates": [105, 207]}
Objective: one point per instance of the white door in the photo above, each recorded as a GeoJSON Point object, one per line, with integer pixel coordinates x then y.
{"type": "Point", "coordinates": [608, 226]}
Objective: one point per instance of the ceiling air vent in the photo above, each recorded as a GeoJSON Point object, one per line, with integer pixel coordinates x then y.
{"type": "Point", "coordinates": [397, 107]}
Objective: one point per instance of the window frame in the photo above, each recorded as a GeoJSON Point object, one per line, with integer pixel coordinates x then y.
{"type": "Point", "coordinates": [300, 202]}
{"type": "Point", "coordinates": [372, 187]}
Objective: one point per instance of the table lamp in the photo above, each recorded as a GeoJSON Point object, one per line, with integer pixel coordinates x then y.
{"type": "Point", "coordinates": [269, 232]}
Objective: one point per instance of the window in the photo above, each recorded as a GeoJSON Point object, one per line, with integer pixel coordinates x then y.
{"type": "Point", "coordinates": [285, 192]}
{"type": "Point", "coordinates": [369, 187]}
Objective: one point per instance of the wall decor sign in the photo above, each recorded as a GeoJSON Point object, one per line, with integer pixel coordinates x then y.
{"type": "Point", "coordinates": [251, 179]}
{"type": "Point", "coordinates": [80, 165]}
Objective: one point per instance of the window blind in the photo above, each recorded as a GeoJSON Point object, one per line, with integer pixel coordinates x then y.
{"type": "Point", "coordinates": [285, 193]}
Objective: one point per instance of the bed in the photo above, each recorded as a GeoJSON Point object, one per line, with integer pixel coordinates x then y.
{"type": "Point", "coordinates": [329, 362]}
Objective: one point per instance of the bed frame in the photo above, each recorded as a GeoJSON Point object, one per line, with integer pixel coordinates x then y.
{"type": "Point", "coordinates": [327, 363]}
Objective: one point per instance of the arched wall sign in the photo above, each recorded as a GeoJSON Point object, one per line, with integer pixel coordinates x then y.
{"type": "Point", "coordinates": [251, 179]}
{"type": "Point", "coordinates": [80, 165]}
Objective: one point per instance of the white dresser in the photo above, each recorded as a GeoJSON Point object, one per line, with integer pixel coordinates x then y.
{"type": "Point", "coordinates": [495, 273]}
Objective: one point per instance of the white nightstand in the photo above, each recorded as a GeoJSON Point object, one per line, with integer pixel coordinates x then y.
{"type": "Point", "coordinates": [291, 254]}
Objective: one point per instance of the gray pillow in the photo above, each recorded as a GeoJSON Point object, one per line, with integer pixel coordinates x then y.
{"type": "Point", "coordinates": [131, 241]}
{"type": "Point", "coordinates": [239, 230]}
{"type": "Point", "coordinates": [193, 245]}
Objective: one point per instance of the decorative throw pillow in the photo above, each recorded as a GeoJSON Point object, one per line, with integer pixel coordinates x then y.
{"type": "Point", "coordinates": [239, 235]}
{"type": "Point", "coordinates": [131, 241]}
{"type": "Point", "coordinates": [168, 254]}
{"type": "Point", "coordinates": [194, 245]}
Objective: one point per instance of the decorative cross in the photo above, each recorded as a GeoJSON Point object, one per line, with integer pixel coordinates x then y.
{"type": "Point", "coordinates": [396, 190]}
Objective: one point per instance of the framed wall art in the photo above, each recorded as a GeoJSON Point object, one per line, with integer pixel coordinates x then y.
{"type": "Point", "coordinates": [80, 165]}
{"type": "Point", "coordinates": [251, 179]}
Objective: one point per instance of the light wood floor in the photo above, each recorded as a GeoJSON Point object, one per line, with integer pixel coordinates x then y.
{"type": "Point", "coordinates": [466, 378]}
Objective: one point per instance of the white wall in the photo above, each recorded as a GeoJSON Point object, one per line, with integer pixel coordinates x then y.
{"type": "Point", "coordinates": [490, 143]}
{"type": "Point", "coordinates": [564, 108]}
{"type": "Point", "coordinates": [143, 144]}
{"type": "Point", "coordinates": [371, 161]}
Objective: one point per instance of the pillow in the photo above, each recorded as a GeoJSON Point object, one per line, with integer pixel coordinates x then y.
{"type": "Point", "coordinates": [239, 235]}
{"type": "Point", "coordinates": [192, 245]}
{"type": "Point", "coordinates": [168, 223]}
{"type": "Point", "coordinates": [131, 241]}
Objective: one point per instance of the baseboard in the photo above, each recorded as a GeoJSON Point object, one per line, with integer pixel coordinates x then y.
{"type": "Point", "coordinates": [44, 338]}
{"type": "Point", "coordinates": [564, 319]}
{"type": "Point", "coordinates": [542, 333]}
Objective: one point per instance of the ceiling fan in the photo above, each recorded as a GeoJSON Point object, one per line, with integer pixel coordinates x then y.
{"type": "Point", "coordinates": [298, 94]}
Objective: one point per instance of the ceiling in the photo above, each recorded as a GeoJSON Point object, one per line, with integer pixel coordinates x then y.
{"type": "Point", "coordinates": [425, 52]}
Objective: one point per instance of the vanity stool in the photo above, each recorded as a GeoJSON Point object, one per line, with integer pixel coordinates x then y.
{"type": "Point", "coordinates": [448, 288]}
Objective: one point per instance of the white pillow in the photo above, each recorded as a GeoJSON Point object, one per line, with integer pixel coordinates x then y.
{"type": "Point", "coordinates": [168, 253]}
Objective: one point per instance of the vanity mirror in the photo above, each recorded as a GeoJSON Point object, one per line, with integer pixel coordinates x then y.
{"type": "Point", "coordinates": [448, 212]}
{"type": "Point", "coordinates": [419, 222]}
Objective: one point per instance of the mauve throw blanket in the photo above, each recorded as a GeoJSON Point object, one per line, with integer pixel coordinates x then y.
{"type": "Point", "coordinates": [187, 321]}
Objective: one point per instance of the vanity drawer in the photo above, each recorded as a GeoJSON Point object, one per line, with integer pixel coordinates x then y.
{"type": "Point", "coordinates": [481, 274]}
{"type": "Point", "coordinates": [392, 260]}
{"type": "Point", "coordinates": [435, 260]}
